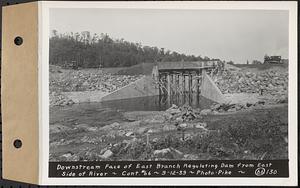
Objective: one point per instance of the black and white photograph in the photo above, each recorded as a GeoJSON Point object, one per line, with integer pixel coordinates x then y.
{"type": "Point", "coordinates": [168, 84]}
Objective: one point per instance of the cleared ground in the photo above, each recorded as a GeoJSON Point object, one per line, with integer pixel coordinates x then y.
{"type": "Point", "coordinates": [254, 134]}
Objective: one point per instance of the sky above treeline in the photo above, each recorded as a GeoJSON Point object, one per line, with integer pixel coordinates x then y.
{"type": "Point", "coordinates": [237, 35]}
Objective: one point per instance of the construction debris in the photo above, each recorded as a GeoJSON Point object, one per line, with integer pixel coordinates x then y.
{"type": "Point", "coordinates": [265, 83]}
{"type": "Point", "coordinates": [183, 113]}
{"type": "Point", "coordinates": [229, 107]}
{"type": "Point", "coordinates": [83, 80]}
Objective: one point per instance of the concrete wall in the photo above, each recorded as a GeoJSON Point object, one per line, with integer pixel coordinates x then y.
{"type": "Point", "coordinates": [85, 96]}
{"type": "Point", "coordinates": [141, 88]}
{"type": "Point", "coordinates": [210, 90]}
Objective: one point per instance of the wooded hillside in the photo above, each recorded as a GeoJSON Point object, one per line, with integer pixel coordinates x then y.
{"type": "Point", "coordinates": [92, 51]}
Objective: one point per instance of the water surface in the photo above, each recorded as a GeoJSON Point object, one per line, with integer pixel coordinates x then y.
{"type": "Point", "coordinates": [103, 113]}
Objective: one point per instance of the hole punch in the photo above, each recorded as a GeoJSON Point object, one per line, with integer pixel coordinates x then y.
{"type": "Point", "coordinates": [18, 41]}
{"type": "Point", "coordinates": [17, 143]}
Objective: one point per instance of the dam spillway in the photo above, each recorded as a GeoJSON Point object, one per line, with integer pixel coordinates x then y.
{"type": "Point", "coordinates": [187, 78]}
{"type": "Point", "coordinates": [167, 80]}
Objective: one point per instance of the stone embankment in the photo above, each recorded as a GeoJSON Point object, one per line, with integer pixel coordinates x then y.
{"type": "Point", "coordinates": [268, 83]}
{"type": "Point", "coordinates": [83, 80]}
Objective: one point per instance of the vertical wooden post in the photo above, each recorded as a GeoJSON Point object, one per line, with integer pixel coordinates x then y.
{"type": "Point", "coordinates": [158, 84]}
{"type": "Point", "coordinates": [174, 85]}
{"type": "Point", "coordinates": [166, 84]}
{"type": "Point", "coordinates": [177, 83]}
{"type": "Point", "coordinates": [190, 83]}
{"type": "Point", "coordinates": [186, 78]}
{"type": "Point", "coordinates": [181, 99]}
{"type": "Point", "coordinates": [169, 100]}
{"type": "Point", "coordinates": [181, 82]}
{"type": "Point", "coordinates": [163, 83]}
{"type": "Point", "coordinates": [194, 99]}
{"type": "Point", "coordinates": [169, 83]}
{"type": "Point", "coordinates": [203, 72]}
{"type": "Point", "coordinates": [197, 83]}
{"type": "Point", "coordinates": [194, 83]}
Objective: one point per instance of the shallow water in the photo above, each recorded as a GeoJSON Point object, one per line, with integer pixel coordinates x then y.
{"type": "Point", "coordinates": [103, 113]}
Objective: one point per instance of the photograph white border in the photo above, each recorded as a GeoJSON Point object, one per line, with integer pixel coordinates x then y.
{"type": "Point", "coordinates": [43, 66]}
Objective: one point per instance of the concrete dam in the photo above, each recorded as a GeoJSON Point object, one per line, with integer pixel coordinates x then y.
{"type": "Point", "coordinates": [168, 79]}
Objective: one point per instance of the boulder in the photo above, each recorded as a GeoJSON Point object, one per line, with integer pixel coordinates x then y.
{"type": "Point", "coordinates": [107, 154]}
{"type": "Point", "coordinates": [67, 155]}
{"type": "Point", "coordinates": [183, 125]}
{"type": "Point", "coordinates": [155, 140]}
{"type": "Point", "coordinates": [176, 153]}
{"type": "Point", "coordinates": [173, 111]}
{"type": "Point", "coordinates": [205, 112]}
{"type": "Point", "coordinates": [163, 153]}
{"type": "Point", "coordinates": [71, 157]}
{"type": "Point", "coordinates": [130, 133]}
{"type": "Point", "coordinates": [57, 128]}
{"type": "Point", "coordinates": [201, 125]}
{"type": "Point", "coordinates": [114, 125]}
{"type": "Point", "coordinates": [216, 106]}
{"type": "Point", "coordinates": [121, 132]}
{"type": "Point", "coordinates": [169, 127]}
{"type": "Point", "coordinates": [168, 153]}
{"type": "Point", "coordinates": [188, 136]}
{"type": "Point", "coordinates": [231, 110]}
{"type": "Point", "coordinates": [92, 129]}
{"type": "Point", "coordinates": [179, 119]}
{"type": "Point", "coordinates": [155, 120]}
{"type": "Point", "coordinates": [190, 157]}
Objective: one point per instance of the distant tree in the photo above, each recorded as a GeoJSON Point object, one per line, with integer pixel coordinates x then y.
{"type": "Point", "coordinates": [54, 33]}
{"type": "Point", "coordinates": [247, 62]}
{"type": "Point", "coordinates": [230, 62]}
{"type": "Point", "coordinates": [266, 58]}
{"type": "Point", "coordinates": [206, 58]}
{"type": "Point", "coordinates": [256, 62]}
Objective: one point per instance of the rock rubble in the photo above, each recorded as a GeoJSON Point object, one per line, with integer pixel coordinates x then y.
{"type": "Point", "coordinates": [182, 114]}
{"type": "Point", "coordinates": [268, 82]}
{"type": "Point", "coordinates": [83, 80]}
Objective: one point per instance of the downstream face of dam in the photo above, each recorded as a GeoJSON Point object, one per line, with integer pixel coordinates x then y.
{"type": "Point", "coordinates": [180, 79]}
{"type": "Point", "coordinates": [179, 82]}
{"type": "Point", "coordinates": [172, 82]}
{"type": "Point", "coordinates": [173, 85]}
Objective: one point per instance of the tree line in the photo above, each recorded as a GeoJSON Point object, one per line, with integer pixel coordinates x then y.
{"type": "Point", "coordinates": [93, 51]}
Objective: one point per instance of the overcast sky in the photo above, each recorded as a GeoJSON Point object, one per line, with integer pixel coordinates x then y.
{"type": "Point", "coordinates": [226, 34]}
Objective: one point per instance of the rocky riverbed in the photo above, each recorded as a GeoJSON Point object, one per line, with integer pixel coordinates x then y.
{"type": "Point", "coordinates": [179, 133]}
